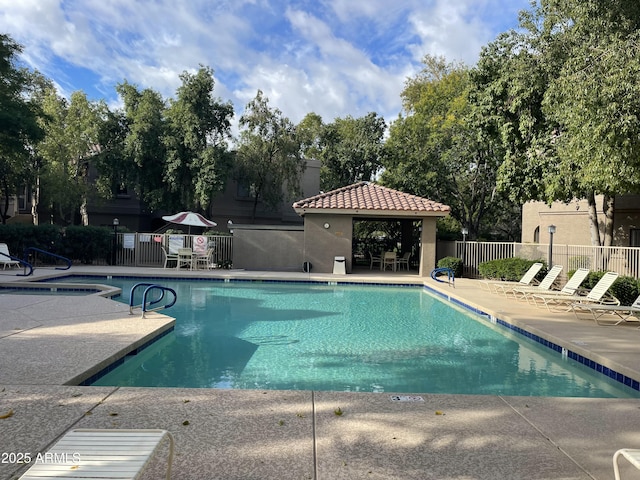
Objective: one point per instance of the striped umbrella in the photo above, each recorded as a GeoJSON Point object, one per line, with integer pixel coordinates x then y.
{"type": "Point", "coordinates": [192, 219]}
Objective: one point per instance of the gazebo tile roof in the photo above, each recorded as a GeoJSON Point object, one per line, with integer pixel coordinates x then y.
{"type": "Point", "coordinates": [369, 196]}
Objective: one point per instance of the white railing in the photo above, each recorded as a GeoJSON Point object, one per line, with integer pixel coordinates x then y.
{"type": "Point", "coordinates": [623, 260]}
{"type": "Point", "coordinates": [145, 249]}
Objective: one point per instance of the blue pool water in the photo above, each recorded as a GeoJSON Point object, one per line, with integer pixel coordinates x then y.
{"type": "Point", "coordinates": [251, 335]}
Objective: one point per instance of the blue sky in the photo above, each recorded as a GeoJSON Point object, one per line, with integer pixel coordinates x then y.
{"type": "Point", "coordinates": [331, 57]}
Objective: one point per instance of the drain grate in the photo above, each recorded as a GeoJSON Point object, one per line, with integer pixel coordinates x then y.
{"type": "Point", "coordinates": [406, 398]}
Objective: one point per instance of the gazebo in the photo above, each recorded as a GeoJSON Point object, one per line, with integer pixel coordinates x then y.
{"type": "Point", "coordinates": [329, 217]}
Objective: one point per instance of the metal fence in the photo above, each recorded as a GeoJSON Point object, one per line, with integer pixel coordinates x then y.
{"type": "Point", "coordinates": [623, 260]}
{"type": "Point", "coordinates": [145, 249]}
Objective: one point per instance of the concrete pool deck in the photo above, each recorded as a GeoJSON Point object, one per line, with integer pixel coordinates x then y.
{"type": "Point", "coordinates": [49, 341]}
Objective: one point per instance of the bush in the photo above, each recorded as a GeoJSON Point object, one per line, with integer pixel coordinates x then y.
{"type": "Point", "coordinates": [453, 263]}
{"type": "Point", "coordinates": [509, 269]}
{"type": "Point", "coordinates": [83, 244]}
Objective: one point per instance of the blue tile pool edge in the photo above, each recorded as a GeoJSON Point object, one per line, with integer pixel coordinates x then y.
{"type": "Point", "coordinates": [599, 368]}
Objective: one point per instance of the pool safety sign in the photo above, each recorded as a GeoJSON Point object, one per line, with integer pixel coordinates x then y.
{"type": "Point", "coordinates": [406, 398]}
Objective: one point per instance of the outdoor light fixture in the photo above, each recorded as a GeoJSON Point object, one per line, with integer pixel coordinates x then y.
{"type": "Point", "coordinates": [551, 229]}
{"type": "Point", "coordinates": [465, 232]}
{"type": "Point", "coordinates": [115, 223]}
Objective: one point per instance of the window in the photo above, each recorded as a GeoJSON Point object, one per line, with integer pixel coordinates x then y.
{"type": "Point", "coordinates": [536, 235]}
{"type": "Point", "coordinates": [634, 237]}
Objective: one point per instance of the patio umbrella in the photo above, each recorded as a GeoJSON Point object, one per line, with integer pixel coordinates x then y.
{"type": "Point", "coordinates": [192, 219]}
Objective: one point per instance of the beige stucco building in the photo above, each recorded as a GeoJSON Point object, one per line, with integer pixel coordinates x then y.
{"type": "Point", "coordinates": [572, 221]}
{"type": "Point", "coordinates": [329, 219]}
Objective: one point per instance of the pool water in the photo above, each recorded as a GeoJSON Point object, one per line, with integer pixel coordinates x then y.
{"type": "Point", "coordinates": [253, 335]}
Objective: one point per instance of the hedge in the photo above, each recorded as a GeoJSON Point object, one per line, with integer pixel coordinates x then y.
{"type": "Point", "coordinates": [80, 244]}
{"type": "Point", "coordinates": [509, 269]}
{"type": "Point", "coordinates": [454, 263]}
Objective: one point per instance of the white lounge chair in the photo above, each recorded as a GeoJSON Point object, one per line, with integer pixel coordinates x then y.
{"type": "Point", "coordinates": [631, 454]}
{"type": "Point", "coordinates": [623, 313]}
{"type": "Point", "coordinates": [526, 279]}
{"type": "Point", "coordinates": [545, 285]}
{"type": "Point", "coordinates": [88, 453]}
{"type": "Point", "coordinates": [569, 288]}
{"type": "Point", "coordinates": [5, 257]}
{"type": "Point", "coordinates": [595, 296]}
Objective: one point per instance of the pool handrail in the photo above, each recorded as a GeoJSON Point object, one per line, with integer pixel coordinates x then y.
{"type": "Point", "coordinates": [28, 250]}
{"type": "Point", "coordinates": [451, 278]}
{"type": "Point", "coordinates": [24, 263]}
{"type": "Point", "coordinates": [150, 287]}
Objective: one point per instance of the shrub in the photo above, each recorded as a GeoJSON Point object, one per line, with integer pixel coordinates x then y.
{"type": "Point", "coordinates": [84, 244]}
{"type": "Point", "coordinates": [453, 263]}
{"type": "Point", "coordinates": [510, 269]}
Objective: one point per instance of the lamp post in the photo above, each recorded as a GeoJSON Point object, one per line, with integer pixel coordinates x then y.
{"type": "Point", "coordinates": [465, 232]}
{"type": "Point", "coordinates": [551, 229]}
{"type": "Point", "coordinates": [116, 222]}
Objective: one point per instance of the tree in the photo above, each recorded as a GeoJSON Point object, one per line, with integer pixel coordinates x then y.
{"type": "Point", "coordinates": [562, 97]}
{"type": "Point", "coordinates": [435, 150]}
{"type": "Point", "coordinates": [269, 161]}
{"type": "Point", "coordinates": [198, 160]}
{"type": "Point", "coordinates": [19, 128]}
{"type": "Point", "coordinates": [351, 150]}
{"type": "Point", "coordinates": [70, 142]}
{"type": "Point", "coordinates": [134, 146]}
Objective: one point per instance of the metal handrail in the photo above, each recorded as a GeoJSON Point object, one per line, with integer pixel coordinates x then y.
{"type": "Point", "coordinates": [28, 250]}
{"type": "Point", "coordinates": [149, 288]}
{"type": "Point", "coordinates": [450, 275]}
{"type": "Point", "coordinates": [24, 263]}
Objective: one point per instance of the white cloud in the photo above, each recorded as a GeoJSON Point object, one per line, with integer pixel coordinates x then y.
{"type": "Point", "coordinates": [333, 57]}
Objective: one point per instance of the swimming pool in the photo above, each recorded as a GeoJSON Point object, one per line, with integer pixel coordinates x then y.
{"type": "Point", "coordinates": [252, 335]}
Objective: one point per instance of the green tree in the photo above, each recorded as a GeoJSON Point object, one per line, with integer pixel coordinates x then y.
{"type": "Point", "coordinates": [269, 161]}
{"type": "Point", "coordinates": [143, 145]}
{"type": "Point", "coordinates": [351, 150]}
{"type": "Point", "coordinates": [562, 96]}
{"type": "Point", "coordinates": [71, 141]}
{"type": "Point", "coordinates": [198, 128]}
{"type": "Point", "coordinates": [19, 127]}
{"type": "Point", "coordinates": [434, 150]}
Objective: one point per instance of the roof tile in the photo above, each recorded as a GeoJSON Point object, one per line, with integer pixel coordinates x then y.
{"type": "Point", "coordinates": [369, 196]}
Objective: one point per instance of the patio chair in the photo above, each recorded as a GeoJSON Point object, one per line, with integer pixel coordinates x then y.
{"type": "Point", "coordinates": [93, 453]}
{"type": "Point", "coordinates": [375, 259]}
{"type": "Point", "coordinates": [389, 259]}
{"type": "Point", "coordinates": [5, 257]}
{"type": "Point", "coordinates": [404, 260]}
{"type": "Point", "coordinates": [526, 279]}
{"type": "Point", "coordinates": [169, 257]}
{"type": "Point", "coordinates": [205, 260]}
{"type": "Point", "coordinates": [624, 313]}
{"type": "Point", "coordinates": [597, 295]}
{"type": "Point", "coordinates": [521, 293]}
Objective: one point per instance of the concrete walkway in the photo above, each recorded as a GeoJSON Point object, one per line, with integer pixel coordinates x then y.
{"type": "Point", "coordinates": [48, 341]}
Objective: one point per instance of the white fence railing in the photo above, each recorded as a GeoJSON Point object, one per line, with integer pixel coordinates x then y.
{"type": "Point", "coordinates": [623, 260]}
{"type": "Point", "coordinates": [145, 249]}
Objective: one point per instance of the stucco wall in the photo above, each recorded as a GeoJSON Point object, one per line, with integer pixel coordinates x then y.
{"type": "Point", "coordinates": [572, 220]}
{"type": "Point", "coordinates": [428, 240]}
{"type": "Point", "coordinates": [270, 247]}
{"type": "Point", "coordinates": [323, 244]}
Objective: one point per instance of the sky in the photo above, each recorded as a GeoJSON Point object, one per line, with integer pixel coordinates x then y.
{"type": "Point", "coordinates": [331, 57]}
